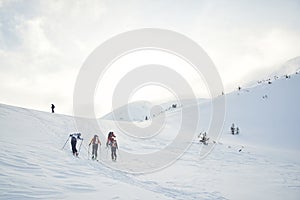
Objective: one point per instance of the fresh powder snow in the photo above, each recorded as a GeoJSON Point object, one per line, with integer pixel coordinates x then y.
{"type": "Point", "coordinates": [261, 162]}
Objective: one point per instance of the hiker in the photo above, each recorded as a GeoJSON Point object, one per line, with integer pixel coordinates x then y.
{"type": "Point", "coordinates": [74, 138]}
{"type": "Point", "coordinates": [110, 137]}
{"type": "Point", "coordinates": [203, 138]}
{"type": "Point", "coordinates": [237, 130]}
{"type": "Point", "coordinates": [95, 141]}
{"type": "Point", "coordinates": [232, 129]}
{"type": "Point", "coordinates": [114, 147]}
{"type": "Point", "coordinates": [52, 108]}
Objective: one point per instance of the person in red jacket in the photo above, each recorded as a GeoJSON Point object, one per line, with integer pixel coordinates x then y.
{"type": "Point", "coordinates": [110, 138]}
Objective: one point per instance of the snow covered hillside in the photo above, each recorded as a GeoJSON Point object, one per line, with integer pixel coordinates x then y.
{"type": "Point", "coordinates": [267, 114]}
{"type": "Point", "coordinates": [262, 162]}
{"type": "Point", "coordinates": [139, 110]}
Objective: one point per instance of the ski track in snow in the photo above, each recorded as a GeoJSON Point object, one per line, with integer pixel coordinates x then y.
{"type": "Point", "coordinates": [34, 164]}
{"type": "Point", "coordinates": [153, 186]}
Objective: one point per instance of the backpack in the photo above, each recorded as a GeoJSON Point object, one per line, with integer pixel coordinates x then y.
{"type": "Point", "coordinates": [73, 139]}
{"type": "Point", "coordinates": [114, 144]}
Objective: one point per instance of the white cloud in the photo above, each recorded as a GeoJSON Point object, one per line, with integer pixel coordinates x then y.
{"type": "Point", "coordinates": [44, 43]}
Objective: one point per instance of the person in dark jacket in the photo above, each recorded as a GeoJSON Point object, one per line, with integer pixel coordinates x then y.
{"type": "Point", "coordinates": [74, 138]}
{"type": "Point", "coordinates": [232, 129]}
{"type": "Point", "coordinates": [52, 108]}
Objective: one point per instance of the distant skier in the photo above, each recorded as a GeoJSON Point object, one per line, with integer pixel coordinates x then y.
{"type": "Point", "coordinates": [110, 138]}
{"type": "Point", "coordinates": [203, 138]}
{"type": "Point", "coordinates": [114, 147]}
{"type": "Point", "coordinates": [95, 142]}
{"type": "Point", "coordinates": [52, 108]}
{"type": "Point", "coordinates": [237, 130]}
{"type": "Point", "coordinates": [74, 138]}
{"type": "Point", "coordinates": [232, 129]}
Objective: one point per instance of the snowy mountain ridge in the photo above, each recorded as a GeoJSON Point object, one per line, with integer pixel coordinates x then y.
{"type": "Point", "coordinates": [261, 162]}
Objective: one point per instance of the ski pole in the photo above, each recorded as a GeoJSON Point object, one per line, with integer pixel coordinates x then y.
{"type": "Point", "coordinates": [80, 145]}
{"type": "Point", "coordinates": [100, 152]}
{"type": "Point", "coordinates": [85, 147]}
{"type": "Point", "coordinates": [119, 154]}
{"type": "Point", "coordinates": [106, 152]}
{"type": "Point", "coordinates": [65, 143]}
{"type": "Point", "coordinates": [89, 152]}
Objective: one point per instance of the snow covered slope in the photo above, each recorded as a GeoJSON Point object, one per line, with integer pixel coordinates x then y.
{"type": "Point", "coordinates": [268, 114]}
{"type": "Point", "coordinates": [33, 165]}
{"type": "Point", "coordinates": [263, 162]}
{"type": "Point", "coordinates": [136, 111]}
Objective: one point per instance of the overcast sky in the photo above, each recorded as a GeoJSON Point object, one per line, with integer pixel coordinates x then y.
{"type": "Point", "coordinates": [44, 43]}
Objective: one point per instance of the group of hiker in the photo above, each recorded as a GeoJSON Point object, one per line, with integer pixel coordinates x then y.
{"type": "Point", "coordinates": [95, 142]}
{"type": "Point", "coordinates": [234, 131]}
